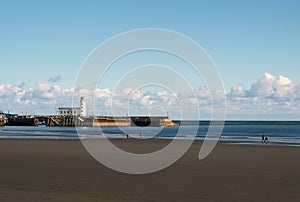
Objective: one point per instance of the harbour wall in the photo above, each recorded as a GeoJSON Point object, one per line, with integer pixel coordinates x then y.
{"type": "Point", "coordinates": [110, 121]}
{"type": "Point", "coordinates": [1, 121]}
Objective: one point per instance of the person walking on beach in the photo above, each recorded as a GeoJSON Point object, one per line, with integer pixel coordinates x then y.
{"type": "Point", "coordinates": [266, 139]}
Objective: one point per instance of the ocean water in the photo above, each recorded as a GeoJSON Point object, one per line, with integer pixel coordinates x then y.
{"type": "Point", "coordinates": [237, 132]}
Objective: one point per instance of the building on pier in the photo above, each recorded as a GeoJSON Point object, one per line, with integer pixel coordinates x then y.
{"type": "Point", "coordinates": [69, 111]}
{"type": "Point", "coordinates": [74, 111]}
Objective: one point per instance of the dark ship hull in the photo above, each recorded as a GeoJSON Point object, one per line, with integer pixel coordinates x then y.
{"type": "Point", "coordinates": [145, 121]}
{"type": "Point", "coordinates": [22, 121]}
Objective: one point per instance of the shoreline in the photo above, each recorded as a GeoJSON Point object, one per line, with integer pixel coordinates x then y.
{"type": "Point", "coordinates": [220, 141]}
{"type": "Point", "coordinates": [62, 170]}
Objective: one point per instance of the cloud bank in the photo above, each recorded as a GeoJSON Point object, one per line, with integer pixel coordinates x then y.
{"type": "Point", "coordinates": [270, 97]}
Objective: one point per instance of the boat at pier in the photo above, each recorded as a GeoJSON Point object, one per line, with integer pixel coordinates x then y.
{"type": "Point", "coordinates": [22, 121]}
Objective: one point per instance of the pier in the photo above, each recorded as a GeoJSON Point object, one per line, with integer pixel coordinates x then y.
{"type": "Point", "coordinates": [109, 121]}
{"type": "Point", "coordinates": [1, 120]}
{"type": "Point", "coordinates": [69, 121]}
{"type": "Point", "coordinates": [77, 116]}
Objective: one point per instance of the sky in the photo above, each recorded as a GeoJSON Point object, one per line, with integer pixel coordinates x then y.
{"type": "Point", "coordinates": [254, 44]}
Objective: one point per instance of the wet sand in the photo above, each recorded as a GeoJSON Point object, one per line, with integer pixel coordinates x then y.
{"type": "Point", "coordinates": [61, 170]}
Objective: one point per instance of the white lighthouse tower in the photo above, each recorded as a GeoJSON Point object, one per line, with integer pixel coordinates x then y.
{"type": "Point", "coordinates": [82, 106]}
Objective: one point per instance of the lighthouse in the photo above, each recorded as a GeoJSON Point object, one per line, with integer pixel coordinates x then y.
{"type": "Point", "coordinates": [82, 106]}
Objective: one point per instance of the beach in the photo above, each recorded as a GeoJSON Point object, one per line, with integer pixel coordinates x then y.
{"type": "Point", "coordinates": [62, 170]}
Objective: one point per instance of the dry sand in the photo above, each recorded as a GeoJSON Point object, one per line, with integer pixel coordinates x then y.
{"type": "Point", "coordinates": [61, 170]}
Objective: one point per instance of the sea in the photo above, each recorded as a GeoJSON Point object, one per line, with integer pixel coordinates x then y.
{"type": "Point", "coordinates": [281, 133]}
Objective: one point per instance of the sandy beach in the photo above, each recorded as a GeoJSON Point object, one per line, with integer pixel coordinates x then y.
{"type": "Point", "coordinates": [61, 170]}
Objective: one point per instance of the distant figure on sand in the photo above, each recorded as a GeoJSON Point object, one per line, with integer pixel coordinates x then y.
{"type": "Point", "coordinates": [141, 135]}
{"type": "Point", "coordinates": [127, 136]}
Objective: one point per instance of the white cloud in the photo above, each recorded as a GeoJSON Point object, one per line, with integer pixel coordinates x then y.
{"type": "Point", "coordinates": [237, 91]}
{"type": "Point", "coordinates": [263, 86]}
{"type": "Point", "coordinates": [269, 95]}
{"type": "Point", "coordinates": [41, 99]}
{"type": "Point", "coordinates": [270, 86]}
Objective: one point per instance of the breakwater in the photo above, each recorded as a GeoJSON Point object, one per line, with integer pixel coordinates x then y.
{"type": "Point", "coordinates": [109, 121]}
{"type": "Point", "coordinates": [1, 121]}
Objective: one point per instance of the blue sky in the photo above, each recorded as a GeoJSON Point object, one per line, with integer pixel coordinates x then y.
{"type": "Point", "coordinates": [43, 39]}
